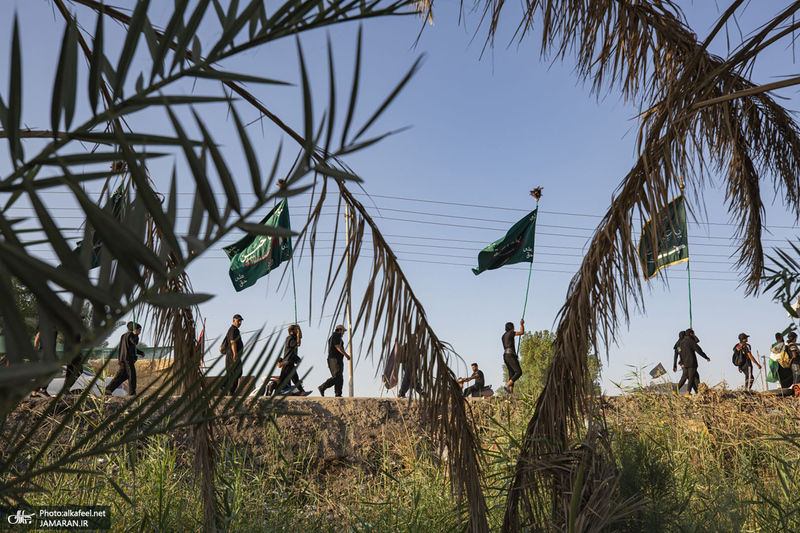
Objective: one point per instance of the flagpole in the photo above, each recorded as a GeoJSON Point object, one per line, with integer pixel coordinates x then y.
{"type": "Point", "coordinates": [688, 257]}
{"type": "Point", "coordinates": [689, 279]}
{"type": "Point", "coordinates": [347, 217]}
{"type": "Point", "coordinates": [536, 193]}
{"type": "Point", "coordinates": [294, 289]}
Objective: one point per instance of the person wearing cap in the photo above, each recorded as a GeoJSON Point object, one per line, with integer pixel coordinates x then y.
{"type": "Point", "coordinates": [128, 352]}
{"type": "Point", "coordinates": [747, 367]}
{"type": "Point", "coordinates": [288, 363]}
{"type": "Point", "coordinates": [687, 348]}
{"type": "Point", "coordinates": [794, 356]}
{"type": "Point", "coordinates": [233, 355]}
{"type": "Point", "coordinates": [336, 355]}
{"type": "Point", "coordinates": [510, 353]}
{"type": "Point", "coordinates": [476, 388]}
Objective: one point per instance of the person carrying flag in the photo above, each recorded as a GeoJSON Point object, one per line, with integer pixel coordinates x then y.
{"type": "Point", "coordinates": [688, 347]}
{"type": "Point", "coordinates": [686, 373]}
{"type": "Point", "coordinates": [510, 353]}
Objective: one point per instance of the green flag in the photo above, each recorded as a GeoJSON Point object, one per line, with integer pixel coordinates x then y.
{"type": "Point", "coordinates": [117, 200]}
{"type": "Point", "coordinates": [671, 238]}
{"type": "Point", "coordinates": [255, 256]}
{"type": "Point", "coordinates": [515, 247]}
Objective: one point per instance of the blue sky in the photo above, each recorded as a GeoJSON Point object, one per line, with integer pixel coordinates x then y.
{"type": "Point", "coordinates": [484, 131]}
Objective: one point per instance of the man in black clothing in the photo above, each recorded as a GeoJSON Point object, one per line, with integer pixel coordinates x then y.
{"type": "Point", "coordinates": [233, 355]}
{"type": "Point", "coordinates": [290, 360]}
{"type": "Point", "coordinates": [794, 356]}
{"type": "Point", "coordinates": [685, 371]}
{"type": "Point", "coordinates": [687, 348]}
{"type": "Point", "coordinates": [75, 366]}
{"type": "Point", "coordinates": [39, 343]}
{"type": "Point", "coordinates": [404, 355]}
{"type": "Point", "coordinates": [475, 389]}
{"type": "Point", "coordinates": [510, 353]}
{"type": "Point", "coordinates": [127, 360]}
{"type": "Point", "coordinates": [336, 355]}
{"type": "Point", "coordinates": [747, 367]}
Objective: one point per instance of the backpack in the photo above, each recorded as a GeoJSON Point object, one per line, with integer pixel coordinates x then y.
{"type": "Point", "coordinates": [786, 360]}
{"type": "Point", "coordinates": [223, 347]}
{"type": "Point", "coordinates": [739, 358]}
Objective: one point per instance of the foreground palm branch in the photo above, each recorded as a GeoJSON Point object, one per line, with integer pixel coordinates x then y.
{"type": "Point", "coordinates": [133, 271]}
{"type": "Point", "coordinates": [389, 304]}
{"type": "Point", "coordinates": [702, 116]}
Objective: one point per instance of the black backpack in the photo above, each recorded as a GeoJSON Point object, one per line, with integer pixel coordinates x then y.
{"type": "Point", "coordinates": [739, 358]}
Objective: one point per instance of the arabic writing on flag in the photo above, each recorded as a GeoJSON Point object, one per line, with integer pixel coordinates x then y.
{"type": "Point", "coordinates": [515, 247]}
{"type": "Point", "coordinates": [658, 371]}
{"type": "Point", "coordinates": [667, 230]}
{"type": "Point", "coordinates": [255, 256]}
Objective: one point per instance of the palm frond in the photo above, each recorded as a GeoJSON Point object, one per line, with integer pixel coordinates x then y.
{"type": "Point", "coordinates": [702, 115]}
{"type": "Point", "coordinates": [132, 271]}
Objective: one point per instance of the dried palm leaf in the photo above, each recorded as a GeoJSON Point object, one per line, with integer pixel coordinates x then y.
{"type": "Point", "coordinates": [647, 51]}
{"type": "Point", "coordinates": [392, 308]}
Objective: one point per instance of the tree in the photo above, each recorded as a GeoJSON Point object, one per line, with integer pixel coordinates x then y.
{"type": "Point", "coordinates": [535, 357]}
{"type": "Point", "coordinates": [26, 303]}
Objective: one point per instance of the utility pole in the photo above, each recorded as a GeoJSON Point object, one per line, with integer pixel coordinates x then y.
{"type": "Point", "coordinates": [348, 303]}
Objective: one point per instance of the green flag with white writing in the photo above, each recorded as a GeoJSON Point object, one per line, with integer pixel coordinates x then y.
{"type": "Point", "coordinates": [255, 256]}
{"type": "Point", "coordinates": [670, 237]}
{"type": "Point", "coordinates": [515, 247]}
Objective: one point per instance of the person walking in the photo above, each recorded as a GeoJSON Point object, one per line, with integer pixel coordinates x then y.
{"type": "Point", "coordinates": [776, 352]}
{"type": "Point", "coordinates": [794, 356]}
{"type": "Point", "coordinates": [39, 346]}
{"type": "Point", "coordinates": [336, 355]}
{"type": "Point", "coordinates": [128, 352]}
{"type": "Point", "coordinates": [233, 355]}
{"type": "Point", "coordinates": [510, 353]}
{"type": "Point", "coordinates": [475, 389]}
{"type": "Point", "coordinates": [405, 353]}
{"type": "Point", "coordinates": [746, 367]}
{"type": "Point", "coordinates": [676, 350]}
{"type": "Point", "coordinates": [290, 360]}
{"type": "Point", "coordinates": [75, 366]}
{"type": "Point", "coordinates": [687, 349]}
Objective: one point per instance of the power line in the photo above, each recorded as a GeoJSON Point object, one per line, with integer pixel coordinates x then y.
{"type": "Point", "coordinates": [460, 204]}
{"type": "Point", "coordinates": [505, 223]}
{"type": "Point", "coordinates": [475, 249]}
{"type": "Point", "coordinates": [222, 257]}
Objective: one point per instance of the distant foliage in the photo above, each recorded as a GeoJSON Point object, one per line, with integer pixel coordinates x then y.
{"type": "Point", "coordinates": [26, 303]}
{"type": "Point", "coordinates": [535, 354]}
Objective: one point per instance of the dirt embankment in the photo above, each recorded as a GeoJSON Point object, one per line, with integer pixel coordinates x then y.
{"type": "Point", "coordinates": [357, 437]}
{"type": "Point", "coordinates": [336, 436]}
